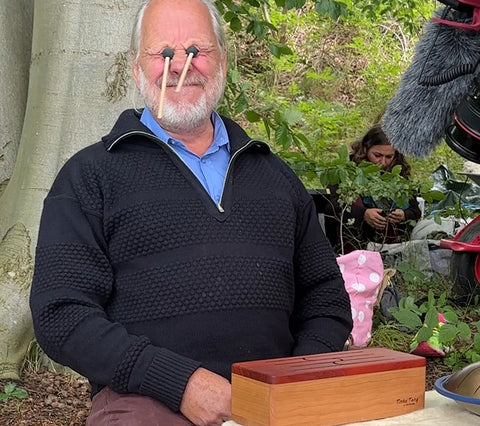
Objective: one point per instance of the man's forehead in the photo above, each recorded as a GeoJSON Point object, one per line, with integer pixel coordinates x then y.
{"type": "Point", "coordinates": [165, 13]}
{"type": "Point", "coordinates": [174, 22]}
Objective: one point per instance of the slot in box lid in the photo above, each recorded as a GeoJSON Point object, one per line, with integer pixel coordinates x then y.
{"type": "Point", "coordinates": [328, 365]}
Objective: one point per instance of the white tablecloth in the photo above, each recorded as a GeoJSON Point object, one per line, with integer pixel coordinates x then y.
{"type": "Point", "coordinates": [438, 411]}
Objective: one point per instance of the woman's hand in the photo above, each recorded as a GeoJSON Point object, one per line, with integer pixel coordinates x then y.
{"type": "Point", "coordinates": [396, 216]}
{"type": "Point", "coordinates": [374, 218]}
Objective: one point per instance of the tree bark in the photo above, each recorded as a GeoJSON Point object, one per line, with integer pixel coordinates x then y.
{"type": "Point", "coordinates": [79, 81]}
{"type": "Point", "coordinates": [16, 24]}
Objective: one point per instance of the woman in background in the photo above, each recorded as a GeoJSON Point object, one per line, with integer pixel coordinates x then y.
{"type": "Point", "coordinates": [372, 221]}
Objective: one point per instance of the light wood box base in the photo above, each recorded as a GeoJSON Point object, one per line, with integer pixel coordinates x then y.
{"type": "Point", "coordinates": [327, 389]}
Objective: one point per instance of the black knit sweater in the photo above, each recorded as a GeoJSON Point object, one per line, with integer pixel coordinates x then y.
{"type": "Point", "coordinates": [140, 278]}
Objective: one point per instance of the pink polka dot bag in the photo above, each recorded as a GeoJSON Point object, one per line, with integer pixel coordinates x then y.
{"type": "Point", "coordinates": [363, 273]}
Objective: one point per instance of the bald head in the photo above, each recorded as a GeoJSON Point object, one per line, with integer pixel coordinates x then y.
{"type": "Point", "coordinates": [216, 20]}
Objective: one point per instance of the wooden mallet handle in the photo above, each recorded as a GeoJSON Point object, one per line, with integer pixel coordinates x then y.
{"type": "Point", "coordinates": [168, 55]}
{"type": "Point", "coordinates": [192, 51]}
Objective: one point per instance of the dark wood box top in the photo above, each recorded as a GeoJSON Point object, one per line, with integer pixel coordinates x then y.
{"type": "Point", "coordinates": [322, 366]}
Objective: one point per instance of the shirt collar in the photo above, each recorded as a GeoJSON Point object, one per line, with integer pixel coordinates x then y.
{"type": "Point", "coordinates": [220, 135]}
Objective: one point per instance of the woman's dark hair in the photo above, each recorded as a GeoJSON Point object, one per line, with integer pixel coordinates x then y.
{"type": "Point", "coordinates": [375, 136]}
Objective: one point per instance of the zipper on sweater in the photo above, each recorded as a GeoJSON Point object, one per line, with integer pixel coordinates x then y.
{"type": "Point", "coordinates": [230, 163]}
{"type": "Point", "coordinates": [163, 144]}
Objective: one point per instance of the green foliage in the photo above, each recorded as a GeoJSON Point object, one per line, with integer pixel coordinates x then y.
{"type": "Point", "coordinates": [412, 13]}
{"type": "Point", "coordinates": [11, 390]}
{"type": "Point", "coordinates": [332, 65]}
{"type": "Point", "coordinates": [412, 278]}
{"type": "Point", "coordinates": [455, 336]}
{"type": "Point", "coordinates": [367, 180]}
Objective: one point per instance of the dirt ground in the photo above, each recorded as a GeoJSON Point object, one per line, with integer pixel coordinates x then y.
{"type": "Point", "coordinates": [53, 400]}
{"type": "Point", "coordinates": [58, 400]}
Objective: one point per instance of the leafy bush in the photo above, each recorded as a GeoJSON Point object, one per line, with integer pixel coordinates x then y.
{"type": "Point", "coordinates": [459, 339]}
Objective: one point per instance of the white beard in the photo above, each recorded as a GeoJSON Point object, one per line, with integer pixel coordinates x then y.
{"type": "Point", "coordinates": [183, 115]}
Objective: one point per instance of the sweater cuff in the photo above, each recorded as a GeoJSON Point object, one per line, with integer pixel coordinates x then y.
{"type": "Point", "coordinates": [167, 377]}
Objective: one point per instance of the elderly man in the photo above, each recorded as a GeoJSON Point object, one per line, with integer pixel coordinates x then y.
{"type": "Point", "coordinates": [178, 245]}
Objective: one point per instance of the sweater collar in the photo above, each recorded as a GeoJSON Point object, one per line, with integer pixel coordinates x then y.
{"type": "Point", "coordinates": [129, 126]}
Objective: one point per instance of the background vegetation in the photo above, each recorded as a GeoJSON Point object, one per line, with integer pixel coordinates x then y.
{"type": "Point", "coordinates": [312, 76]}
{"type": "Point", "coordinates": [309, 76]}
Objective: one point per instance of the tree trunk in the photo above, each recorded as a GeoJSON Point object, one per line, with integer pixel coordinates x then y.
{"type": "Point", "coordinates": [79, 81]}
{"type": "Point", "coordinates": [16, 23]}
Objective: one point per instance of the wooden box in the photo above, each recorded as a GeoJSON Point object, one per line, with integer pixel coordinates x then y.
{"type": "Point", "coordinates": [327, 389]}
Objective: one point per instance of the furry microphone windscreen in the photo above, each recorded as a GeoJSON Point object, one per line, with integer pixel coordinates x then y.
{"type": "Point", "coordinates": [417, 115]}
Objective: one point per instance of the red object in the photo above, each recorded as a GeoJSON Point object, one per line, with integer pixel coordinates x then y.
{"type": "Point", "coordinates": [426, 350]}
{"type": "Point", "coordinates": [456, 245]}
{"type": "Point", "coordinates": [328, 365]}
{"type": "Point", "coordinates": [474, 26]}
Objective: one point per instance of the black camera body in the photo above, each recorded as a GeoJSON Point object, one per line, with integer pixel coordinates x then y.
{"type": "Point", "coordinates": [463, 135]}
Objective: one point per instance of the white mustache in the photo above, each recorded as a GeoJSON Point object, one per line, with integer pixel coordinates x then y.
{"type": "Point", "coordinates": [189, 81]}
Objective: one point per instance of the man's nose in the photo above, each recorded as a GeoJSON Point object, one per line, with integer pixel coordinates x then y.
{"type": "Point", "coordinates": [178, 62]}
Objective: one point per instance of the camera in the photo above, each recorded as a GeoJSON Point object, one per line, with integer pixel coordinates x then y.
{"type": "Point", "coordinates": [463, 135]}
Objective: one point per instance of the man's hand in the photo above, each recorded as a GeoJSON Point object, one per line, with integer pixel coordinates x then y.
{"type": "Point", "coordinates": [207, 399]}
{"type": "Point", "coordinates": [397, 216]}
{"type": "Point", "coordinates": [374, 218]}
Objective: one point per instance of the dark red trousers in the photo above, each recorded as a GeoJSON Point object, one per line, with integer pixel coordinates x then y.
{"type": "Point", "coordinates": [113, 409]}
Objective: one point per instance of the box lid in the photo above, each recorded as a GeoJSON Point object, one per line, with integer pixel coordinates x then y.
{"type": "Point", "coordinates": [322, 366]}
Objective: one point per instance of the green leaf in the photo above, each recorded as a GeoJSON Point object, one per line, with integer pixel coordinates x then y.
{"type": "Point", "coordinates": [447, 333]}
{"type": "Point", "coordinates": [476, 341]}
{"type": "Point", "coordinates": [407, 318]}
{"type": "Point", "coordinates": [12, 391]}
{"type": "Point", "coordinates": [396, 170]}
{"type": "Point", "coordinates": [294, 4]}
{"type": "Point", "coordinates": [291, 116]}
{"type": "Point", "coordinates": [235, 24]}
{"type": "Point", "coordinates": [424, 334]}
{"type": "Point", "coordinates": [283, 136]}
{"type": "Point", "coordinates": [431, 318]}
{"type": "Point", "coordinates": [259, 29]}
{"type": "Point", "coordinates": [228, 16]}
{"type": "Point", "coordinates": [433, 195]}
{"type": "Point", "coordinates": [19, 393]}
{"type": "Point", "coordinates": [253, 3]}
{"type": "Point", "coordinates": [451, 316]}
{"type": "Point", "coordinates": [302, 142]}
{"type": "Point", "coordinates": [331, 8]}
{"type": "Point", "coordinates": [278, 50]}
{"type": "Point", "coordinates": [267, 126]}
{"type": "Point", "coordinates": [252, 116]}
{"type": "Point", "coordinates": [464, 331]}
{"type": "Point", "coordinates": [241, 103]}
{"type": "Point", "coordinates": [10, 387]}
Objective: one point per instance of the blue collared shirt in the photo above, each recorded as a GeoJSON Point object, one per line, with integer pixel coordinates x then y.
{"type": "Point", "coordinates": [211, 167]}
